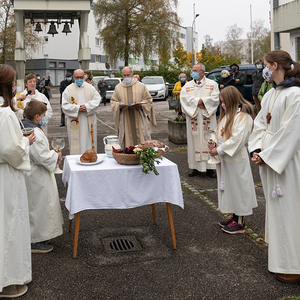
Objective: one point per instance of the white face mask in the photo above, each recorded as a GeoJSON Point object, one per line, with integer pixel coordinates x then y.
{"type": "Point", "coordinates": [128, 80]}
{"type": "Point", "coordinates": [85, 77]}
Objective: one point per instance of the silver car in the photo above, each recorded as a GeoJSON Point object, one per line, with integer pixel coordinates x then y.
{"type": "Point", "coordinates": [156, 86]}
{"type": "Point", "coordinates": [111, 84]}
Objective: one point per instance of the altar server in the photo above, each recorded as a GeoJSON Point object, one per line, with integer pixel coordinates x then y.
{"type": "Point", "coordinates": [236, 193]}
{"type": "Point", "coordinates": [44, 207]}
{"type": "Point", "coordinates": [80, 102]}
{"type": "Point", "coordinates": [32, 93]}
{"type": "Point", "coordinates": [199, 100]}
{"type": "Point", "coordinates": [275, 145]}
{"type": "Point", "coordinates": [15, 256]}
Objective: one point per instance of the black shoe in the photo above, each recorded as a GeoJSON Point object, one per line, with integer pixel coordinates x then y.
{"type": "Point", "coordinates": [211, 173]}
{"type": "Point", "coordinates": [104, 104]}
{"type": "Point", "coordinates": [61, 125]}
{"type": "Point", "coordinates": [194, 173]}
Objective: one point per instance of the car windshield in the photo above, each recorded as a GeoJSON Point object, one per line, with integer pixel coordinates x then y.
{"type": "Point", "coordinates": [148, 80]}
{"type": "Point", "coordinates": [112, 82]}
{"type": "Point", "coordinates": [216, 76]}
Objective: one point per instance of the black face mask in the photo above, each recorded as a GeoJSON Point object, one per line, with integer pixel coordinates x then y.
{"type": "Point", "coordinates": [234, 69]}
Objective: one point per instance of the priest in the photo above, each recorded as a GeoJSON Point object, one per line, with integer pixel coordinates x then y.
{"type": "Point", "coordinates": [133, 112]}
{"type": "Point", "coordinates": [199, 99]}
{"type": "Point", "coordinates": [80, 102]}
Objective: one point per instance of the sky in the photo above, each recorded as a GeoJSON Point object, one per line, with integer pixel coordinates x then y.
{"type": "Point", "coordinates": [216, 15]}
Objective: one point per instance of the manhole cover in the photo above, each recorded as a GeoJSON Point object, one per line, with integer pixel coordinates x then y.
{"type": "Point", "coordinates": [121, 244]}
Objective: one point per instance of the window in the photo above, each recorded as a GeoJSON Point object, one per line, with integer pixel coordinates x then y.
{"type": "Point", "coordinates": [97, 25]}
{"type": "Point", "coordinates": [52, 64]}
{"type": "Point", "coordinates": [97, 58]}
{"type": "Point", "coordinates": [97, 41]}
{"type": "Point", "coordinates": [179, 34]}
{"type": "Point", "coordinates": [132, 61]}
{"type": "Point", "coordinates": [61, 64]}
{"type": "Point", "coordinates": [183, 36]}
{"type": "Point", "coordinates": [297, 48]}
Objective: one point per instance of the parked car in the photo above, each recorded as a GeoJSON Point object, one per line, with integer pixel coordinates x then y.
{"type": "Point", "coordinates": [111, 84]}
{"type": "Point", "coordinates": [248, 83]}
{"type": "Point", "coordinates": [156, 86]}
{"type": "Point", "coordinates": [98, 78]}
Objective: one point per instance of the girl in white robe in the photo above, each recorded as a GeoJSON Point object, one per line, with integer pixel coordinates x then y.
{"type": "Point", "coordinates": [236, 193]}
{"type": "Point", "coordinates": [15, 256]}
{"type": "Point", "coordinates": [275, 145]}
{"type": "Point", "coordinates": [44, 207]}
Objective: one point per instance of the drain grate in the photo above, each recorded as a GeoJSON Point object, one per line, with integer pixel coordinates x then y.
{"type": "Point", "coordinates": [121, 244]}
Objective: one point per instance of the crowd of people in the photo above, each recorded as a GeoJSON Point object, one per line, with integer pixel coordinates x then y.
{"type": "Point", "coordinates": [31, 214]}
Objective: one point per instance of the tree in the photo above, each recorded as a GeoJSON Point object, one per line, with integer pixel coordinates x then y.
{"type": "Point", "coordinates": [180, 56]}
{"type": "Point", "coordinates": [261, 41]}
{"type": "Point", "coordinates": [136, 27]}
{"type": "Point", "coordinates": [234, 44]}
{"type": "Point", "coordinates": [8, 33]}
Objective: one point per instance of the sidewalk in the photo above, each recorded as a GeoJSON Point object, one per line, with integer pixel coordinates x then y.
{"type": "Point", "coordinates": [208, 264]}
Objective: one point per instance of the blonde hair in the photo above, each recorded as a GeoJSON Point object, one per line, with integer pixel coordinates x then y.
{"type": "Point", "coordinates": [232, 99]}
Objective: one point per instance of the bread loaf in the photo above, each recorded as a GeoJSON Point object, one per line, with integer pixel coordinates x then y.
{"type": "Point", "coordinates": [89, 156]}
{"type": "Point", "coordinates": [152, 144]}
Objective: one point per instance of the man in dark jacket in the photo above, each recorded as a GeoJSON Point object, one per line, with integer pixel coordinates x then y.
{"type": "Point", "coordinates": [257, 78]}
{"type": "Point", "coordinates": [63, 85]}
{"type": "Point", "coordinates": [238, 78]}
{"type": "Point", "coordinates": [102, 90]}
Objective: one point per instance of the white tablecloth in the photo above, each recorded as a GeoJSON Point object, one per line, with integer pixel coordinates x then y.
{"type": "Point", "coordinates": [109, 185]}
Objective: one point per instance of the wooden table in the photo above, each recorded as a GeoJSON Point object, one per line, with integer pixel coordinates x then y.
{"type": "Point", "coordinates": [148, 189]}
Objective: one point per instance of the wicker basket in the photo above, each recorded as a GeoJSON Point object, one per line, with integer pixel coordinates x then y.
{"type": "Point", "coordinates": [126, 159]}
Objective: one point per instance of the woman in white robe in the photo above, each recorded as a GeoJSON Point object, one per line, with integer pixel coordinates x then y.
{"type": "Point", "coordinates": [236, 193]}
{"type": "Point", "coordinates": [275, 146]}
{"type": "Point", "coordinates": [44, 207]}
{"type": "Point", "coordinates": [32, 93]}
{"type": "Point", "coordinates": [15, 255]}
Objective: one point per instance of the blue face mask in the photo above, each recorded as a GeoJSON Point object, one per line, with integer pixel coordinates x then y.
{"type": "Point", "coordinates": [69, 78]}
{"type": "Point", "coordinates": [195, 75]}
{"type": "Point", "coordinates": [182, 79]}
{"type": "Point", "coordinates": [259, 67]}
{"type": "Point", "coordinates": [43, 122]}
{"type": "Point", "coordinates": [79, 82]}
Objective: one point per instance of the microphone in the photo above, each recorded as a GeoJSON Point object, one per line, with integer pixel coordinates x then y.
{"type": "Point", "coordinates": [28, 93]}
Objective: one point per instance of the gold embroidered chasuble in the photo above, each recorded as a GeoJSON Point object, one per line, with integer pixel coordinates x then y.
{"type": "Point", "coordinates": [133, 126]}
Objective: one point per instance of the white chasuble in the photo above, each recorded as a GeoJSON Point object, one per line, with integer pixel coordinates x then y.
{"type": "Point", "coordinates": [15, 252]}
{"type": "Point", "coordinates": [199, 120]}
{"type": "Point", "coordinates": [82, 126]}
{"type": "Point", "coordinates": [44, 208]}
{"type": "Point", "coordinates": [280, 149]}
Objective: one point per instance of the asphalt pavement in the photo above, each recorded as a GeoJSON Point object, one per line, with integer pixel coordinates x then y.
{"type": "Point", "coordinates": [207, 264]}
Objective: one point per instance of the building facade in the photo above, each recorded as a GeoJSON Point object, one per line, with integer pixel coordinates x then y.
{"type": "Point", "coordinates": [59, 53]}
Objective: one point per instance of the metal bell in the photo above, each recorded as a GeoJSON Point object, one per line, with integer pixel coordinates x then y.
{"type": "Point", "coordinates": [38, 27]}
{"type": "Point", "coordinates": [66, 29]}
{"type": "Point", "coordinates": [52, 29]}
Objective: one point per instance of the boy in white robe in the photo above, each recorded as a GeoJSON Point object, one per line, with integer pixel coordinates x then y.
{"type": "Point", "coordinates": [32, 93]}
{"type": "Point", "coordinates": [44, 207]}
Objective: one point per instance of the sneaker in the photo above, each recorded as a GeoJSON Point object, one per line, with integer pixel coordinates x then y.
{"type": "Point", "coordinates": [234, 228]}
{"type": "Point", "coordinates": [13, 291]}
{"type": "Point", "coordinates": [226, 222]}
{"type": "Point", "coordinates": [41, 248]}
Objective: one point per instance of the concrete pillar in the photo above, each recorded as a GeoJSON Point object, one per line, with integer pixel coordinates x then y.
{"type": "Point", "coordinates": [84, 53]}
{"type": "Point", "coordinates": [20, 55]}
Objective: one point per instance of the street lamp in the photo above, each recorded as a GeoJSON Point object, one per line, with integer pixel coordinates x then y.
{"type": "Point", "coordinates": [193, 58]}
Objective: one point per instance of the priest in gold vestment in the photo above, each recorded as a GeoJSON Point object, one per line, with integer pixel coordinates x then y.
{"type": "Point", "coordinates": [132, 109]}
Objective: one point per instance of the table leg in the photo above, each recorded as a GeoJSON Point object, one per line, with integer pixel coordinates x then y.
{"type": "Point", "coordinates": [70, 225]}
{"type": "Point", "coordinates": [153, 213]}
{"type": "Point", "coordinates": [76, 234]}
{"type": "Point", "coordinates": [169, 209]}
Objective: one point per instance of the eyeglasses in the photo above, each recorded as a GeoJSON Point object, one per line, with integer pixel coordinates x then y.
{"type": "Point", "coordinates": [79, 77]}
